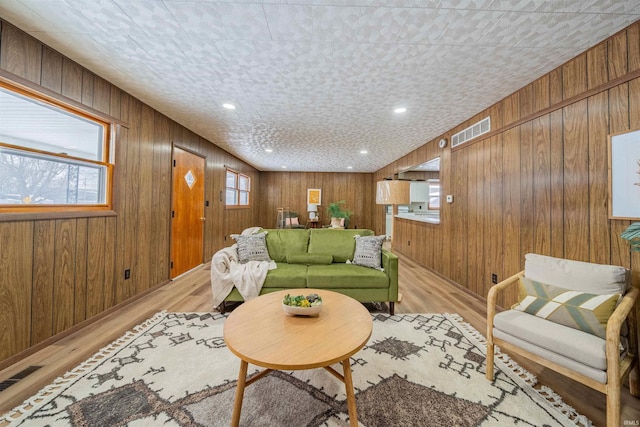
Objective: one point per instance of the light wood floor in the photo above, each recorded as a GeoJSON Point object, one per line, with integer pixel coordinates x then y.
{"type": "Point", "coordinates": [422, 291]}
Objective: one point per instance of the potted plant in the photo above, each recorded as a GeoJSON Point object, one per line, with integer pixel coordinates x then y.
{"type": "Point", "coordinates": [632, 234]}
{"type": "Point", "coordinates": [337, 212]}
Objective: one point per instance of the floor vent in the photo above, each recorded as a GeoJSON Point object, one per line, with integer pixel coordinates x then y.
{"type": "Point", "coordinates": [17, 377]}
{"type": "Point", "coordinates": [473, 131]}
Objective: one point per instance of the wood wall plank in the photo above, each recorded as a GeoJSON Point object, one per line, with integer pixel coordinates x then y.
{"type": "Point", "coordinates": [20, 53]}
{"type": "Point", "coordinates": [64, 274]}
{"type": "Point", "coordinates": [599, 239]}
{"type": "Point", "coordinates": [576, 182]}
{"type": "Point", "coordinates": [541, 186]}
{"type": "Point", "coordinates": [71, 80]}
{"type": "Point", "coordinates": [51, 70]}
{"type": "Point", "coordinates": [42, 297]}
{"type": "Point", "coordinates": [527, 205]}
{"type": "Point", "coordinates": [617, 52]}
{"type": "Point", "coordinates": [16, 281]}
{"type": "Point", "coordinates": [96, 236]}
{"type": "Point", "coordinates": [557, 184]}
{"type": "Point", "coordinates": [80, 304]}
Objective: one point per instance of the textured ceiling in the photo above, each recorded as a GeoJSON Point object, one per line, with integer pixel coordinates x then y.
{"type": "Point", "coordinates": [317, 81]}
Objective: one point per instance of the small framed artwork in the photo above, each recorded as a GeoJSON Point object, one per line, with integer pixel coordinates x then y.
{"type": "Point", "coordinates": [314, 196]}
{"type": "Point", "coordinates": [624, 175]}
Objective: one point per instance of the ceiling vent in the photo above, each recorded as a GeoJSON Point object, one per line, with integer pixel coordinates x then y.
{"type": "Point", "coordinates": [473, 131]}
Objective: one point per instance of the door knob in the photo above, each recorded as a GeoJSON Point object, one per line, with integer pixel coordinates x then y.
{"type": "Point", "coordinates": [202, 218]}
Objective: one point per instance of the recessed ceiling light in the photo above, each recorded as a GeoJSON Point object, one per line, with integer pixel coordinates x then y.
{"type": "Point", "coordinates": [363, 151]}
{"type": "Point", "coordinates": [229, 106]}
{"type": "Point", "coordinates": [268, 150]}
{"type": "Point", "coordinates": [284, 167]}
{"type": "Point", "coordinates": [349, 167]}
{"type": "Point", "coordinates": [400, 110]}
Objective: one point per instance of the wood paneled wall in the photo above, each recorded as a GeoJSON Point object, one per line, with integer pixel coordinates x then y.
{"type": "Point", "coordinates": [56, 273]}
{"type": "Point", "coordinates": [538, 181]}
{"type": "Point", "coordinates": [289, 189]}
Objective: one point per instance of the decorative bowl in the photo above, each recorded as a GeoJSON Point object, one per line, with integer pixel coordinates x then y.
{"type": "Point", "coordinates": [300, 305]}
{"type": "Point", "coordinates": [291, 310]}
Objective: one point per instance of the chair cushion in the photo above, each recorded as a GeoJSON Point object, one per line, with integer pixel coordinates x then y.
{"type": "Point", "coordinates": [347, 276]}
{"type": "Point", "coordinates": [251, 247]}
{"type": "Point", "coordinates": [581, 347]}
{"type": "Point", "coordinates": [579, 310]}
{"type": "Point", "coordinates": [577, 275]}
{"type": "Point", "coordinates": [595, 374]}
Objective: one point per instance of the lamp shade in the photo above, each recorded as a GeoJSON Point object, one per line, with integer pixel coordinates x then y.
{"type": "Point", "coordinates": [393, 193]}
{"type": "Point", "coordinates": [311, 207]}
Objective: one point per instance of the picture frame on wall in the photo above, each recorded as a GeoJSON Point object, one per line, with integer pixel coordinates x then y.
{"type": "Point", "coordinates": [624, 175]}
{"type": "Point", "coordinates": [314, 196]}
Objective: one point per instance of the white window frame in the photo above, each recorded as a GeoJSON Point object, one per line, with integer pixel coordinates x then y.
{"type": "Point", "coordinates": [238, 190]}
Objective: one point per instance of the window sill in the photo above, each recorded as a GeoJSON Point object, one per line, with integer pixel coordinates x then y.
{"type": "Point", "coordinates": [32, 216]}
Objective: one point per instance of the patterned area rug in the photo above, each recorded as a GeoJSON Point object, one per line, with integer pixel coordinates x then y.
{"type": "Point", "coordinates": [175, 370]}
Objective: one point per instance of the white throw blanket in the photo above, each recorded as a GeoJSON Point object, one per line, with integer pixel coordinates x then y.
{"type": "Point", "coordinates": [227, 272]}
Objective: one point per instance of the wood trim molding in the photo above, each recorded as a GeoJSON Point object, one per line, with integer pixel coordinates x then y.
{"type": "Point", "coordinates": [557, 106]}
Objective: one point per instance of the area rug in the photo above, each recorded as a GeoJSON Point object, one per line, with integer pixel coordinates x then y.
{"type": "Point", "coordinates": [175, 370]}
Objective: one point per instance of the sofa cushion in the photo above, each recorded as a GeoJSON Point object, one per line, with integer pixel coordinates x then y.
{"type": "Point", "coordinates": [310, 259]}
{"type": "Point", "coordinates": [580, 346]}
{"type": "Point", "coordinates": [579, 310]}
{"type": "Point", "coordinates": [577, 275]}
{"type": "Point", "coordinates": [251, 247]}
{"type": "Point", "coordinates": [368, 252]}
{"type": "Point", "coordinates": [287, 276]}
{"type": "Point", "coordinates": [339, 243]}
{"type": "Point", "coordinates": [282, 242]}
{"type": "Point", "coordinates": [347, 276]}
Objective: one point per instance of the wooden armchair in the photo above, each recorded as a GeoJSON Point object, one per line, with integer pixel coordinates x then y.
{"type": "Point", "coordinates": [594, 361]}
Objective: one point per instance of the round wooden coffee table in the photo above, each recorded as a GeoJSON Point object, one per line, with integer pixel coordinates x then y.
{"type": "Point", "coordinates": [259, 332]}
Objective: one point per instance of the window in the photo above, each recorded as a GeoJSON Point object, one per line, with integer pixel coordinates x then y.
{"type": "Point", "coordinates": [434, 194]}
{"type": "Point", "coordinates": [52, 157]}
{"type": "Point", "coordinates": [238, 189]}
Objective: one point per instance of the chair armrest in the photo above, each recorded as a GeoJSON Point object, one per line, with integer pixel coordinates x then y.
{"type": "Point", "coordinates": [492, 298]}
{"type": "Point", "coordinates": [390, 265]}
{"type": "Point", "coordinates": [614, 324]}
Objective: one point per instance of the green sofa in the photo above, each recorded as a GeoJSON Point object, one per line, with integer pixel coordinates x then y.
{"type": "Point", "coordinates": [316, 258]}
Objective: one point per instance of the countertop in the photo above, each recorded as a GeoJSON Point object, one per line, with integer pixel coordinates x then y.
{"type": "Point", "coordinates": [430, 218]}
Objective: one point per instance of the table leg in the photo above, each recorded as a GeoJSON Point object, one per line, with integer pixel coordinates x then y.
{"type": "Point", "coordinates": [351, 397]}
{"type": "Point", "coordinates": [237, 406]}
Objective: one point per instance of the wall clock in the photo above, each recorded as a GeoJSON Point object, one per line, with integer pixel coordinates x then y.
{"type": "Point", "coordinates": [443, 143]}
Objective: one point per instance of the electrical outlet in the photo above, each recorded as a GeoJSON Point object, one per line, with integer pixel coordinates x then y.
{"type": "Point", "coordinates": [494, 278]}
{"type": "Point", "coordinates": [127, 274]}
{"type": "Point", "coordinates": [408, 242]}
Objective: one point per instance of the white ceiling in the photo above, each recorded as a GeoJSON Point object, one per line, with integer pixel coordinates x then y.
{"type": "Point", "coordinates": [317, 80]}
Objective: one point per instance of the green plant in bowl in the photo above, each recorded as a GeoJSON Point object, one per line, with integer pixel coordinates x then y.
{"type": "Point", "coordinates": [300, 305]}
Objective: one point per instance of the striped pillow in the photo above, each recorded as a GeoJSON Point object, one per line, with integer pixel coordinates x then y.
{"type": "Point", "coordinates": [578, 310]}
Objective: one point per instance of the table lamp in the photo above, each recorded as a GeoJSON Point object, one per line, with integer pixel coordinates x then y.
{"type": "Point", "coordinates": [312, 209]}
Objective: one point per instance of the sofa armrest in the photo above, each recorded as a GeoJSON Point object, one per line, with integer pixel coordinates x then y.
{"type": "Point", "coordinates": [390, 265]}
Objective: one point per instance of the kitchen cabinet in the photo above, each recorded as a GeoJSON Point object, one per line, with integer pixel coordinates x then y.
{"type": "Point", "coordinates": [419, 191]}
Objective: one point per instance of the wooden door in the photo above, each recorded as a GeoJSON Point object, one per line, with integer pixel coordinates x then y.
{"type": "Point", "coordinates": [187, 211]}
